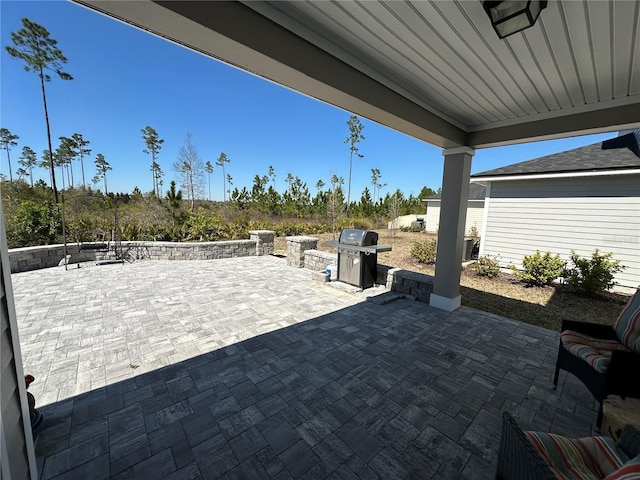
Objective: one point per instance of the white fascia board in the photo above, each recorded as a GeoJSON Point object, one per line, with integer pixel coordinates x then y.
{"type": "Point", "coordinates": [540, 176]}
{"type": "Point", "coordinates": [470, 200]}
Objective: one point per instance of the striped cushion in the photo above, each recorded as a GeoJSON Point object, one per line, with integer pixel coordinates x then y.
{"type": "Point", "coordinates": [630, 471]}
{"type": "Point", "coordinates": [596, 352]}
{"type": "Point", "coordinates": [589, 458]}
{"type": "Point", "coordinates": [627, 325]}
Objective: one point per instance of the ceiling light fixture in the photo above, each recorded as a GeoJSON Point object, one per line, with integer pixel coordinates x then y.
{"type": "Point", "coordinates": [512, 16]}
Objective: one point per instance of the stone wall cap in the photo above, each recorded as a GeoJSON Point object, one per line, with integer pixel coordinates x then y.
{"type": "Point", "coordinates": [302, 238]}
{"type": "Point", "coordinates": [256, 232]}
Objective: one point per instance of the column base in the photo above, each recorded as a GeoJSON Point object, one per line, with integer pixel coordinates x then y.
{"type": "Point", "coordinates": [445, 303]}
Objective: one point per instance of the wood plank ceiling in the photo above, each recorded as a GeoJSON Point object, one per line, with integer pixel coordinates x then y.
{"type": "Point", "coordinates": [445, 55]}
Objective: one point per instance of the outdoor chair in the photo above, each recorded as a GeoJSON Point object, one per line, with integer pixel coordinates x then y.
{"type": "Point", "coordinates": [606, 359]}
{"type": "Point", "coordinates": [528, 455]}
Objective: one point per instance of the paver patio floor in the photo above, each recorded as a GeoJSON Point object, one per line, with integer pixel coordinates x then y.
{"type": "Point", "coordinates": [246, 368]}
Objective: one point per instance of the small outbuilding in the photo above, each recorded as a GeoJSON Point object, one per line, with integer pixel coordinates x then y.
{"type": "Point", "coordinates": [580, 199]}
{"type": "Point", "coordinates": [475, 210]}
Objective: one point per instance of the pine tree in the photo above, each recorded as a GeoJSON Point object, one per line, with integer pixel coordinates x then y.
{"type": "Point", "coordinates": [153, 144]}
{"type": "Point", "coordinates": [28, 160]}
{"type": "Point", "coordinates": [355, 135]}
{"type": "Point", "coordinates": [8, 140]}
{"type": "Point", "coordinates": [40, 53]}
{"type": "Point", "coordinates": [208, 167]}
{"type": "Point", "coordinates": [79, 145]}
{"type": "Point", "coordinates": [222, 159]}
{"type": "Point", "coordinates": [102, 167]}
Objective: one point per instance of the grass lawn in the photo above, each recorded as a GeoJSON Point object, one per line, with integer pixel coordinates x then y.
{"type": "Point", "coordinates": [504, 295]}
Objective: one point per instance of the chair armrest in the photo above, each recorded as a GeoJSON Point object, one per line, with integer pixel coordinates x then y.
{"type": "Point", "coordinates": [517, 458]}
{"type": "Point", "coordinates": [596, 330]}
{"type": "Point", "coordinates": [621, 377]}
{"type": "Point", "coordinates": [629, 441]}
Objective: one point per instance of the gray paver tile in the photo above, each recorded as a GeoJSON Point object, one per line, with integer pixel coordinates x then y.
{"type": "Point", "coordinates": [131, 458]}
{"type": "Point", "coordinates": [332, 451]}
{"type": "Point", "coordinates": [164, 438]}
{"type": "Point", "coordinates": [247, 444]}
{"type": "Point", "coordinates": [359, 440]}
{"type": "Point", "coordinates": [131, 440]}
{"type": "Point", "coordinates": [75, 456]}
{"type": "Point", "coordinates": [298, 459]}
{"type": "Point", "coordinates": [225, 389]}
{"type": "Point", "coordinates": [237, 423]}
{"type": "Point", "coordinates": [270, 461]}
{"type": "Point", "coordinates": [167, 415]}
{"type": "Point", "coordinates": [250, 469]}
{"type": "Point", "coordinates": [388, 465]}
{"type": "Point", "coordinates": [188, 472]}
{"type": "Point", "coordinates": [278, 433]}
{"type": "Point", "coordinates": [96, 469]}
{"type": "Point", "coordinates": [161, 464]}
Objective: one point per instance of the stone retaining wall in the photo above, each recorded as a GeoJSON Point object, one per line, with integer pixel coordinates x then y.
{"type": "Point", "coordinates": [417, 285]}
{"type": "Point", "coordinates": [33, 258]}
{"type": "Point", "coordinates": [189, 250]}
{"type": "Point", "coordinates": [296, 248]}
{"type": "Point", "coordinates": [319, 260]}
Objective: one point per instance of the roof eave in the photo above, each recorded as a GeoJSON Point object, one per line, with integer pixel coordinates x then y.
{"type": "Point", "coordinates": [548, 175]}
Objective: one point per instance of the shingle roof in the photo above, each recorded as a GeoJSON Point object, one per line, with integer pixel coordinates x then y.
{"type": "Point", "coordinates": [588, 158]}
{"type": "Point", "coordinates": [476, 192]}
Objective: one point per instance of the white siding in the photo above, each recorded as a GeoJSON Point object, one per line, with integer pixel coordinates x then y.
{"type": "Point", "coordinates": [433, 217]}
{"type": "Point", "coordinates": [17, 452]}
{"type": "Point", "coordinates": [475, 216]}
{"type": "Point", "coordinates": [560, 215]}
{"type": "Point", "coordinates": [404, 221]}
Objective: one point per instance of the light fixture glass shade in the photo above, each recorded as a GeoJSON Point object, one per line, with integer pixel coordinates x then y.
{"type": "Point", "coordinates": [512, 16]}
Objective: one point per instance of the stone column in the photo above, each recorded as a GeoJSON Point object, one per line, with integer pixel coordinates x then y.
{"type": "Point", "coordinates": [453, 214]}
{"type": "Point", "coordinates": [296, 247]}
{"type": "Point", "coordinates": [264, 241]}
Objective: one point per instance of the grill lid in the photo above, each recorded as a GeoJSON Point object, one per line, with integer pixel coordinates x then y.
{"type": "Point", "coordinates": [358, 238]}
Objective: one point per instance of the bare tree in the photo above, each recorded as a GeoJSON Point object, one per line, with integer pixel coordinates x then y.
{"type": "Point", "coordinates": [190, 167]}
{"type": "Point", "coordinates": [395, 202]}
{"type": "Point", "coordinates": [335, 202]}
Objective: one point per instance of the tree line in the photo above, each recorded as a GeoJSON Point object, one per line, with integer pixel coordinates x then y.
{"type": "Point", "coordinates": [34, 212]}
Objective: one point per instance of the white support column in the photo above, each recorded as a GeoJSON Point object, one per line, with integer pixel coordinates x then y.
{"type": "Point", "coordinates": [453, 215]}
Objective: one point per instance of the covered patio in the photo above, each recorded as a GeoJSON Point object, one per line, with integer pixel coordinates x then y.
{"type": "Point", "coordinates": [433, 70]}
{"type": "Point", "coordinates": [246, 368]}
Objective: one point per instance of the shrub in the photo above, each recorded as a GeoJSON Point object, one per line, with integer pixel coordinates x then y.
{"type": "Point", "coordinates": [487, 266]}
{"type": "Point", "coordinates": [539, 269]}
{"type": "Point", "coordinates": [424, 251]}
{"type": "Point", "coordinates": [592, 275]}
{"type": "Point", "coordinates": [473, 233]}
{"type": "Point", "coordinates": [34, 223]}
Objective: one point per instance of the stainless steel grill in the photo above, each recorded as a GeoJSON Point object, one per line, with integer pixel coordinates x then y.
{"type": "Point", "coordinates": [358, 256]}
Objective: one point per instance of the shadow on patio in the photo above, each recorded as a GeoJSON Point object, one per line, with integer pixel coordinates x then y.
{"type": "Point", "coordinates": [365, 391]}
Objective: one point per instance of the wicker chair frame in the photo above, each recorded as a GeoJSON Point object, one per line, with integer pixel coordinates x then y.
{"type": "Point", "coordinates": [519, 460]}
{"type": "Point", "coordinates": [621, 376]}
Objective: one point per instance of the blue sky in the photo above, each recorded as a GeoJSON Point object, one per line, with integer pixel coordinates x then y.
{"type": "Point", "coordinates": [126, 79]}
